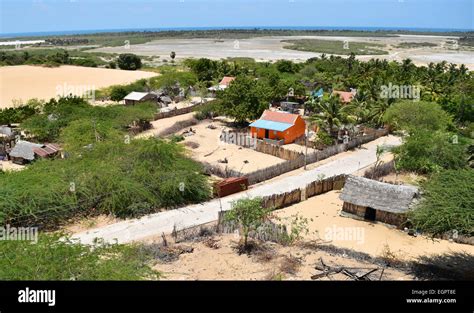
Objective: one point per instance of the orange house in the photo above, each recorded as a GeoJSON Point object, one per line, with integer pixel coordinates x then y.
{"type": "Point", "coordinates": [278, 126]}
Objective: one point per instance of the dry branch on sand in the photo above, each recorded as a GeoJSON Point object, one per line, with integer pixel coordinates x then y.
{"type": "Point", "coordinates": [354, 273]}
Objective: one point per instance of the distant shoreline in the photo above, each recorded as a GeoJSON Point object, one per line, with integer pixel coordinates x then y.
{"type": "Point", "coordinates": [237, 28]}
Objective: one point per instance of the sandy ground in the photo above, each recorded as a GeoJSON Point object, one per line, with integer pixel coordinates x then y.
{"type": "Point", "coordinates": [162, 124]}
{"type": "Point", "coordinates": [211, 149]}
{"type": "Point", "coordinates": [271, 48]}
{"type": "Point", "coordinates": [10, 166]}
{"type": "Point", "coordinates": [84, 224]}
{"type": "Point", "coordinates": [325, 223]}
{"type": "Point", "coordinates": [24, 82]}
{"type": "Point", "coordinates": [224, 263]}
{"type": "Point", "coordinates": [298, 148]}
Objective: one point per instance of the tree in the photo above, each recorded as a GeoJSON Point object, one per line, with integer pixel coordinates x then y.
{"type": "Point", "coordinates": [205, 69]}
{"type": "Point", "coordinates": [330, 113]}
{"type": "Point", "coordinates": [129, 61]}
{"type": "Point", "coordinates": [118, 93]}
{"type": "Point", "coordinates": [425, 151]}
{"type": "Point", "coordinates": [411, 116]}
{"type": "Point", "coordinates": [286, 66]}
{"type": "Point", "coordinates": [248, 214]}
{"type": "Point", "coordinates": [244, 99]}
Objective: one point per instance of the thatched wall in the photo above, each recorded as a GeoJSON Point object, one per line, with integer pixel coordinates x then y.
{"type": "Point", "coordinates": [397, 219]}
{"type": "Point", "coordinates": [160, 115]}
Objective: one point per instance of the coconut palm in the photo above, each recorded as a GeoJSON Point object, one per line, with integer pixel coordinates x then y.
{"type": "Point", "coordinates": [330, 114]}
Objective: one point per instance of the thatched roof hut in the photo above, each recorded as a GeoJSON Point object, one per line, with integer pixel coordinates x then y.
{"type": "Point", "coordinates": [376, 200]}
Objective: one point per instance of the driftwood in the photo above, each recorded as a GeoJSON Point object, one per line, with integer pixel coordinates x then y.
{"type": "Point", "coordinates": [355, 273]}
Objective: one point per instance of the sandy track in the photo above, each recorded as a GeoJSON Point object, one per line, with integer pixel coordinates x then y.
{"type": "Point", "coordinates": [24, 82]}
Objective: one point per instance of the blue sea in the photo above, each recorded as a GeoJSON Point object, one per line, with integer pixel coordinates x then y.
{"type": "Point", "coordinates": [94, 31]}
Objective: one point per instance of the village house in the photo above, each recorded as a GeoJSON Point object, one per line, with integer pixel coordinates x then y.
{"type": "Point", "coordinates": [345, 96]}
{"type": "Point", "coordinates": [223, 84]}
{"type": "Point", "coordinates": [25, 152]}
{"type": "Point", "coordinates": [137, 97]}
{"type": "Point", "coordinates": [278, 127]}
{"type": "Point", "coordinates": [377, 201]}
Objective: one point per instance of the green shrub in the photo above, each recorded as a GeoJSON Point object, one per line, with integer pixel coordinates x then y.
{"type": "Point", "coordinates": [129, 61]}
{"type": "Point", "coordinates": [447, 204]}
{"type": "Point", "coordinates": [56, 258]}
{"type": "Point", "coordinates": [427, 152]}
{"type": "Point", "coordinates": [418, 115]}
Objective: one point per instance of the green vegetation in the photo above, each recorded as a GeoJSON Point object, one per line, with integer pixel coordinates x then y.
{"type": "Point", "coordinates": [129, 61]}
{"type": "Point", "coordinates": [409, 45]}
{"type": "Point", "coordinates": [413, 116]}
{"type": "Point", "coordinates": [244, 99]}
{"type": "Point", "coordinates": [249, 214]}
{"type": "Point", "coordinates": [426, 152]}
{"type": "Point", "coordinates": [52, 57]}
{"type": "Point", "coordinates": [447, 205]}
{"type": "Point", "coordinates": [335, 47]}
{"type": "Point", "coordinates": [104, 174]}
{"type": "Point", "coordinates": [56, 258]}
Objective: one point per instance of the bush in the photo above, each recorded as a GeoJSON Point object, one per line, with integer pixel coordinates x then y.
{"type": "Point", "coordinates": [129, 61]}
{"type": "Point", "coordinates": [427, 152]}
{"type": "Point", "coordinates": [110, 175]}
{"type": "Point", "coordinates": [57, 258]}
{"type": "Point", "coordinates": [412, 116]}
{"type": "Point", "coordinates": [447, 204]}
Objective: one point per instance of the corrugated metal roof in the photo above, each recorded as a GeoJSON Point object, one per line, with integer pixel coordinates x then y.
{"type": "Point", "coordinates": [136, 96]}
{"type": "Point", "coordinates": [271, 125]}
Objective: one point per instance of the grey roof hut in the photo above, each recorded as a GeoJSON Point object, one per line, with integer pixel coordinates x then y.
{"type": "Point", "coordinates": [24, 152]}
{"type": "Point", "coordinates": [377, 201]}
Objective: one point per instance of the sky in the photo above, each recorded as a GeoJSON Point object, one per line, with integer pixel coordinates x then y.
{"type": "Point", "coordinates": [18, 16]}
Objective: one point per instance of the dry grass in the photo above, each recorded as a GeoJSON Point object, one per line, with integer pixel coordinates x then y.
{"type": "Point", "coordinates": [290, 265]}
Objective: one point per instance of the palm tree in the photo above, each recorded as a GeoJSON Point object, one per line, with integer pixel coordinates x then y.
{"type": "Point", "coordinates": [378, 109]}
{"type": "Point", "coordinates": [329, 114]}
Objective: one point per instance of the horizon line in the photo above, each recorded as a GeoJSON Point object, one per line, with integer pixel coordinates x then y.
{"type": "Point", "coordinates": [257, 27]}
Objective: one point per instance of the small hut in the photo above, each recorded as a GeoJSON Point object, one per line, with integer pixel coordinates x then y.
{"type": "Point", "coordinates": [376, 201]}
{"type": "Point", "coordinates": [23, 152]}
{"type": "Point", "coordinates": [137, 97]}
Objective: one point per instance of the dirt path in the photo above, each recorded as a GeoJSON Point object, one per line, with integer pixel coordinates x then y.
{"type": "Point", "coordinates": [147, 226]}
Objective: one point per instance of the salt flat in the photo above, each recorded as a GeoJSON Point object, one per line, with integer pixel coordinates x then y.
{"type": "Point", "coordinates": [272, 48]}
{"type": "Point", "coordinates": [23, 82]}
